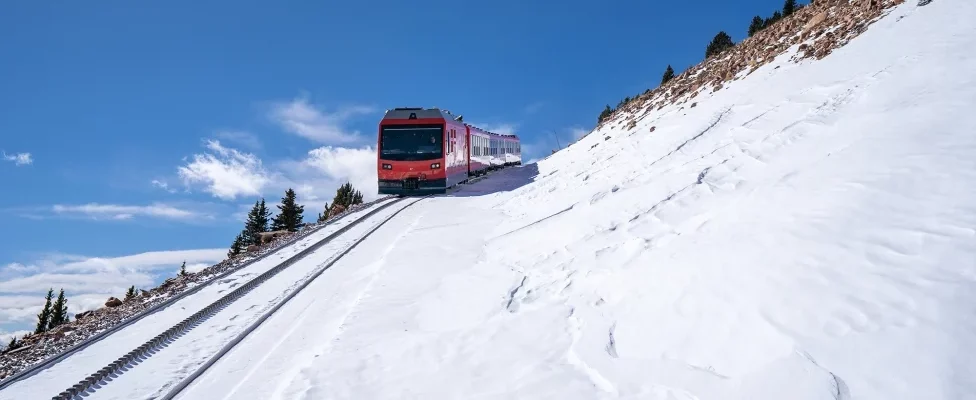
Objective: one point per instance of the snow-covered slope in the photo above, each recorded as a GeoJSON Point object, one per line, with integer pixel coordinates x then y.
{"type": "Point", "coordinates": [808, 232]}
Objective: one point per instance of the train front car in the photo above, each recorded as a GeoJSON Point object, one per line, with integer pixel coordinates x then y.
{"type": "Point", "coordinates": [420, 151]}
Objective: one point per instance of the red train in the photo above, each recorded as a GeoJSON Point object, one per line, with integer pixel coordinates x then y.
{"type": "Point", "coordinates": [428, 150]}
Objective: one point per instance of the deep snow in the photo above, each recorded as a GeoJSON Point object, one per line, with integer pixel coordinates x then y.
{"type": "Point", "coordinates": [808, 232]}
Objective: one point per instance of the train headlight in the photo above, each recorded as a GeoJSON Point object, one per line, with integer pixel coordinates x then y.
{"type": "Point", "coordinates": [387, 166]}
{"type": "Point", "coordinates": [435, 165]}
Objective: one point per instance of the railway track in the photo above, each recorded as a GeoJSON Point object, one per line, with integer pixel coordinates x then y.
{"type": "Point", "coordinates": [242, 266]}
{"type": "Point", "coordinates": [100, 381]}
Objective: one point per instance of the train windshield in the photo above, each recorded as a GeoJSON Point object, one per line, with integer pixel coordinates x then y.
{"type": "Point", "coordinates": [411, 142]}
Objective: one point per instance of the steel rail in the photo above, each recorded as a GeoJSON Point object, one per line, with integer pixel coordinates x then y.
{"type": "Point", "coordinates": [54, 359]}
{"type": "Point", "coordinates": [140, 353]}
{"type": "Point", "coordinates": [179, 387]}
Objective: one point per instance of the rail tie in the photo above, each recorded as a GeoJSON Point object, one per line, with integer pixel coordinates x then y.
{"type": "Point", "coordinates": [51, 360]}
{"type": "Point", "coordinates": [140, 353]}
{"type": "Point", "coordinates": [179, 387]}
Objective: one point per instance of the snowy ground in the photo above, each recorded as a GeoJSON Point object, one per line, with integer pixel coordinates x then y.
{"type": "Point", "coordinates": [806, 233]}
{"type": "Point", "coordinates": [62, 375]}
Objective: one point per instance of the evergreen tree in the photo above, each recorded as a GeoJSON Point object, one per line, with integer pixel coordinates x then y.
{"type": "Point", "coordinates": [13, 343]}
{"type": "Point", "coordinates": [789, 7]}
{"type": "Point", "coordinates": [131, 292]}
{"type": "Point", "coordinates": [607, 112]}
{"type": "Point", "coordinates": [44, 318]}
{"type": "Point", "coordinates": [721, 42]}
{"type": "Point", "coordinates": [289, 215]}
{"type": "Point", "coordinates": [237, 247]}
{"type": "Point", "coordinates": [257, 222]}
{"type": "Point", "coordinates": [264, 217]}
{"type": "Point", "coordinates": [325, 213]}
{"type": "Point", "coordinates": [183, 269]}
{"type": "Point", "coordinates": [757, 25]}
{"type": "Point", "coordinates": [59, 311]}
{"type": "Point", "coordinates": [668, 75]}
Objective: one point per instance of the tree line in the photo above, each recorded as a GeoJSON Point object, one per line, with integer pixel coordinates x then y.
{"type": "Point", "coordinates": [719, 44]}
{"type": "Point", "coordinates": [290, 216]}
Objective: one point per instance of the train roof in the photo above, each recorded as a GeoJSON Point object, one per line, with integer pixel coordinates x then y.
{"type": "Point", "coordinates": [418, 113]}
{"type": "Point", "coordinates": [402, 113]}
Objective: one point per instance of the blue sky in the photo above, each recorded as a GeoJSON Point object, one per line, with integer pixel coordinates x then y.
{"type": "Point", "coordinates": [135, 134]}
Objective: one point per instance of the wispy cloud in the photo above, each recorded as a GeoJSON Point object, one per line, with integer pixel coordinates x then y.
{"type": "Point", "coordinates": [503, 128]}
{"type": "Point", "coordinates": [87, 281]}
{"type": "Point", "coordinates": [301, 118]}
{"type": "Point", "coordinates": [246, 139]}
{"type": "Point", "coordinates": [19, 158]}
{"type": "Point", "coordinates": [162, 185]}
{"type": "Point", "coordinates": [226, 173]}
{"type": "Point", "coordinates": [124, 212]}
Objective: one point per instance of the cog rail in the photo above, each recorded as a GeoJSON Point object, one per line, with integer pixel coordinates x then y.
{"type": "Point", "coordinates": [53, 359]}
{"type": "Point", "coordinates": [185, 382]}
{"type": "Point", "coordinates": [97, 380]}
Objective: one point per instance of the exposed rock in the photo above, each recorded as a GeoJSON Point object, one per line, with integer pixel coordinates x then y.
{"type": "Point", "coordinates": [336, 210]}
{"type": "Point", "coordinates": [816, 30]}
{"type": "Point", "coordinates": [113, 302]}
{"type": "Point", "coordinates": [816, 20]}
{"type": "Point", "coordinates": [266, 237]}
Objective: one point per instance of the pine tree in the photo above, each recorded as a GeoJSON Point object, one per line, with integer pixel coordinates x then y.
{"type": "Point", "coordinates": [789, 7]}
{"type": "Point", "coordinates": [44, 318]}
{"type": "Point", "coordinates": [59, 311]}
{"type": "Point", "coordinates": [324, 215]}
{"type": "Point", "coordinates": [13, 343]}
{"type": "Point", "coordinates": [668, 75]}
{"type": "Point", "coordinates": [757, 25]}
{"type": "Point", "coordinates": [606, 113]}
{"type": "Point", "coordinates": [257, 222]}
{"type": "Point", "coordinates": [130, 293]}
{"type": "Point", "coordinates": [264, 217]}
{"type": "Point", "coordinates": [721, 42]}
{"type": "Point", "coordinates": [290, 213]}
{"type": "Point", "coordinates": [183, 269]}
{"type": "Point", "coordinates": [237, 246]}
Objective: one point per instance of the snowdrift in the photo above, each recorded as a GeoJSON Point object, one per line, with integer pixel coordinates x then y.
{"type": "Point", "coordinates": [803, 232]}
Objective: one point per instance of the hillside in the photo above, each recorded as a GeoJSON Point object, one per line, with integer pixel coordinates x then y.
{"type": "Point", "coordinates": [776, 223]}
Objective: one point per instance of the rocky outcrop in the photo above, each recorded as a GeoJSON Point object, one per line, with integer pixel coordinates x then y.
{"type": "Point", "coordinates": [37, 347]}
{"type": "Point", "coordinates": [816, 30]}
{"type": "Point", "coordinates": [267, 237]}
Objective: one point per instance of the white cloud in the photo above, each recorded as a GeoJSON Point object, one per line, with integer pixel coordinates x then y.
{"type": "Point", "coordinates": [316, 177]}
{"type": "Point", "coordinates": [301, 118]}
{"type": "Point", "coordinates": [122, 212]}
{"type": "Point", "coordinates": [5, 336]}
{"type": "Point", "coordinates": [19, 158]}
{"type": "Point", "coordinates": [87, 281]}
{"type": "Point", "coordinates": [245, 139]}
{"type": "Point", "coordinates": [499, 128]}
{"type": "Point", "coordinates": [226, 173]}
{"type": "Point", "coordinates": [162, 185]}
